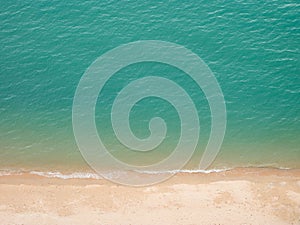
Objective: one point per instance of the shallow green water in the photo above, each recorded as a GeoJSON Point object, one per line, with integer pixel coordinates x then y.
{"type": "Point", "coordinates": [251, 47]}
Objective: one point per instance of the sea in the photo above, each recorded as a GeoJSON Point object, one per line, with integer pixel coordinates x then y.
{"type": "Point", "coordinates": [251, 47]}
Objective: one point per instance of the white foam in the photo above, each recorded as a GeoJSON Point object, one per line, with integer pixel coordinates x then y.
{"type": "Point", "coordinates": [75, 175]}
{"type": "Point", "coordinates": [109, 174]}
{"type": "Point", "coordinates": [10, 172]}
{"type": "Point", "coordinates": [183, 171]}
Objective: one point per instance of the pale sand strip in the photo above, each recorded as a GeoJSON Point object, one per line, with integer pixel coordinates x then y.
{"type": "Point", "coordinates": [243, 196]}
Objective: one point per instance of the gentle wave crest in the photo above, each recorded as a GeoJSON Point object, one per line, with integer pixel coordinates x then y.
{"type": "Point", "coordinates": [115, 174]}
{"type": "Point", "coordinates": [87, 175]}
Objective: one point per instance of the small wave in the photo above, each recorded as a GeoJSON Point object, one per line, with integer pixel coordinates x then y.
{"type": "Point", "coordinates": [10, 172]}
{"type": "Point", "coordinates": [114, 174]}
{"type": "Point", "coordinates": [76, 175]}
{"type": "Point", "coordinates": [183, 171]}
{"type": "Point", "coordinates": [79, 175]}
{"type": "Point", "coordinates": [85, 175]}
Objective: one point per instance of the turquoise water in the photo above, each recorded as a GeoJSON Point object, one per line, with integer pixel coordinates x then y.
{"type": "Point", "coordinates": [251, 47]}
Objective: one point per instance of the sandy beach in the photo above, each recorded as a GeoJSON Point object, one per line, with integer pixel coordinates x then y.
{"type": "Point", "coordinates": [240, 196]}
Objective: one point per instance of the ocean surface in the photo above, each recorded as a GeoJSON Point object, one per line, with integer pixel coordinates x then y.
{"type": "Point", "coordinates": [252, 48]}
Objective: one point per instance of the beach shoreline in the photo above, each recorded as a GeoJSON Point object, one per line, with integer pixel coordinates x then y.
{"type": "Point", "coordinates": [239, 196]}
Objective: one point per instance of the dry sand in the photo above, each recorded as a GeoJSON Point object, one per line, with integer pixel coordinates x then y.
{"type": "Point", "coordinates": [240, 196]}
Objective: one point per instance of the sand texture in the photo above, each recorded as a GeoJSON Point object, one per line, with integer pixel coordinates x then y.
{"type": "Point", "coordinates": [253, 196]}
